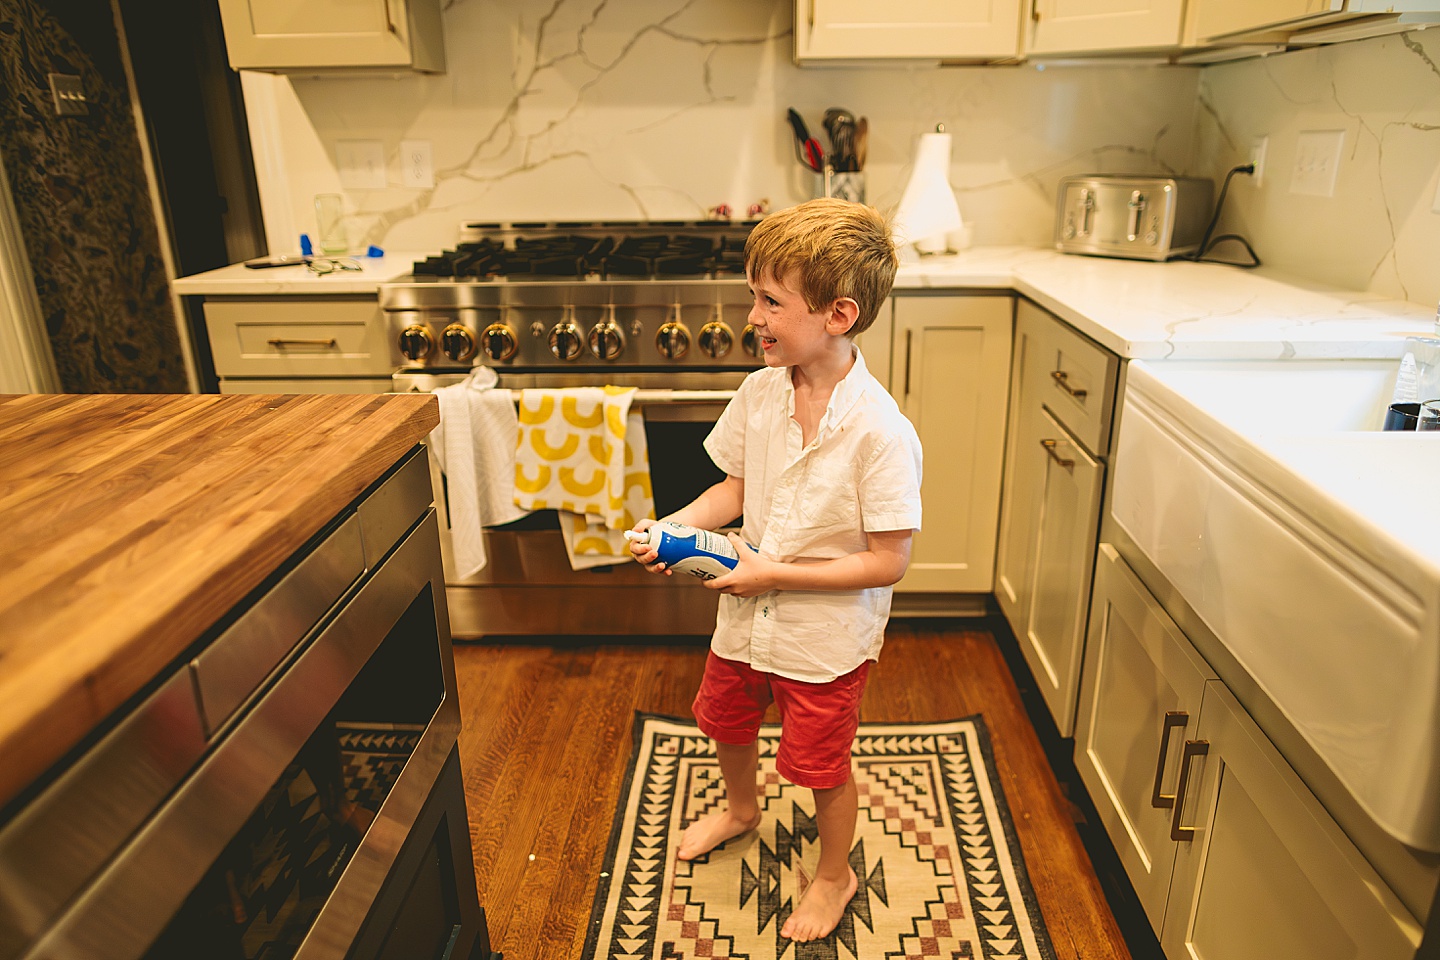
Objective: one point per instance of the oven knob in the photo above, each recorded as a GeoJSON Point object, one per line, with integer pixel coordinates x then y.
{"type": "Point", "coordinates": [716, 339]}
{"type": "Point", "coordinates": [672, 340]}
{"type": "Point", "coordinates": [565, 341]}
{"type": "Point", "coordinates": [416, 343]}
{"type": "Point", "coordinates": [750, 340]}
{"type": "Point", "coordinates": [499, 341]}
{"type": "Point", "coordinates": [457, 342]}
{"type": "Point", "coordinates": [606, 340]}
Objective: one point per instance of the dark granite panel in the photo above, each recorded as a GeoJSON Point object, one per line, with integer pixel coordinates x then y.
{"type": "Point", "coordinates": [85, 213]}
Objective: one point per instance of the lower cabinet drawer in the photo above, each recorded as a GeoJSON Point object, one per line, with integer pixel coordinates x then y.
{"type": "Point", "coordinates": [288, 338]}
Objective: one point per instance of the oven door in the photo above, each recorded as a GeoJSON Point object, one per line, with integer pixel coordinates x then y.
{"type": "Point", "coordinates": [528, 588]}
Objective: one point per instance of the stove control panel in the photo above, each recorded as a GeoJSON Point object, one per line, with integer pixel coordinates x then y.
{"type": "Point", "coordinates": [576, 327]}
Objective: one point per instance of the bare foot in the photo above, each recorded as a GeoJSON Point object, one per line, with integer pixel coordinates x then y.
{"type": "Point", "coordinates": [710, 831]}
{"type": "Point", "coordinates": [820, 909]}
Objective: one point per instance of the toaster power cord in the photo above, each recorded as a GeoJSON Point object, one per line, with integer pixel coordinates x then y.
{"type": "Point", "coordinates": [1207, 244]}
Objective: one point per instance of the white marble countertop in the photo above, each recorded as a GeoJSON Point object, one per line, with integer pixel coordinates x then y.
{"type": "Point", "coordinates": [1138, 309]}
{"type": "Point", "coordinates": [1183, 310]}
{"type": "Point", "coordinates": [238, 280]}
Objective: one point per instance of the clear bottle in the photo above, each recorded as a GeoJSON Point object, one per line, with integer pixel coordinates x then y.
{"type": "Point", "coordinates": [700, 553]}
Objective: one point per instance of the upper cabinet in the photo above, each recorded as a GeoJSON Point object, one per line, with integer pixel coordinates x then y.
{"type": "Point", "coordinates": [327, 36]}
{"type": "Point", "coordinates": [1306, 21]}
{"type": "Point", "coordinates": [973, 30]}
{"type": "Point", "coordinates": [1108, 26]}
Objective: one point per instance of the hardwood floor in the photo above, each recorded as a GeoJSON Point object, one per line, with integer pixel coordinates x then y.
{"type": "Point", "coordinates": [546, 741]}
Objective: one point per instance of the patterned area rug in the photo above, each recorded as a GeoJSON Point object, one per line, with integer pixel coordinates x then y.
{"type": "Point", "coordinates": [940, 871]}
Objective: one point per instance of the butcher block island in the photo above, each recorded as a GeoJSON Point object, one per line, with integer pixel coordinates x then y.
{"type": "Point", "coordinates": [222, 621]}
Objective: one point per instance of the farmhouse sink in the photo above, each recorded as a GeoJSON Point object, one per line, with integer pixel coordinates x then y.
{"type": "Point", "coordinates": [1309, 543]}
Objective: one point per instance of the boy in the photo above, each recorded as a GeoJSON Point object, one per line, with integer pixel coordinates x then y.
{"type": "Point", "coordinates": [826, 471]}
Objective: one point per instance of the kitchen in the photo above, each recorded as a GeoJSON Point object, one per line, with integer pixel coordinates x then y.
{"type": "Point", "coordinates": [557, 117]}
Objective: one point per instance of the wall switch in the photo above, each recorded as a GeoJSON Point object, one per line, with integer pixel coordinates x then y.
{"type": "Point", "coordinates": [1317, 162]}
{"type": "Point", "coordinates": [417, 165]}
{"type": "Point", "coordinates": [1258, 147]}
{"type": "Point", "coordinates": [68, 94]}
{"type": "Point", "coordinates": [361, 164]}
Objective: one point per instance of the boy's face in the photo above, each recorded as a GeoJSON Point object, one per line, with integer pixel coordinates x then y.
{"type": "Point", "coordinates": [790, 333]}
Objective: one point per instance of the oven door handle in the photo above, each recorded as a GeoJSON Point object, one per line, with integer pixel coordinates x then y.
{"type": "Point", "coordinates": [131, 902]}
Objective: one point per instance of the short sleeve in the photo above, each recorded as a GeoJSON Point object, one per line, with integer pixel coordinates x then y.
{"type": "Point", "coordinates": [890, 484]}
{"type": "Point", "coordinates": [726, 441]}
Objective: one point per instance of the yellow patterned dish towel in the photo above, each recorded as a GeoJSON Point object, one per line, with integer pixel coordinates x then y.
{"type": "Point", "coordinates": [582, 452]}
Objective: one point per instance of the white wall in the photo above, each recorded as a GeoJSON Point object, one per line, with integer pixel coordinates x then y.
{"type": "Point", "coordinates": [660, 109]}
{"type": "Point", "coordinates": [1378, 232]}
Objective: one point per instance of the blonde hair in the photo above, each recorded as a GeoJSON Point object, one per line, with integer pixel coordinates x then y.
{"type": "Point", "coordinates": [829, 249]}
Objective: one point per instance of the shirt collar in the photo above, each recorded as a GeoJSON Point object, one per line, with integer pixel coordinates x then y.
{"type": "Point", "coordinates": [846, 393]}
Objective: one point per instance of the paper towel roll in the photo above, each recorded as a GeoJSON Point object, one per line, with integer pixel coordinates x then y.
{"type": "Point", "coordinates": [928, 209]}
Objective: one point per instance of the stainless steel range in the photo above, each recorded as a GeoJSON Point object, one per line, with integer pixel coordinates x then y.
{"type": "Point", "coordinates": [579, 297]}
{"type": "Point", "coordinates": [661, 306]}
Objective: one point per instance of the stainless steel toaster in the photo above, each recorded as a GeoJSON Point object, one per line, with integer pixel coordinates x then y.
{"type": "Point", "coordinates": [1138, 217]}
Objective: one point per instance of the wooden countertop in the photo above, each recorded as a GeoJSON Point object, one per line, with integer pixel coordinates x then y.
{"type": "Point", "coordinates": [130, 524]}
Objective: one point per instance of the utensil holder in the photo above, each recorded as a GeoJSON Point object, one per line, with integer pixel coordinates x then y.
{"type": "Point", "coordinates": [845, 185]}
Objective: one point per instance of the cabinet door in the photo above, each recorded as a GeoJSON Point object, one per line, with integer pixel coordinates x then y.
{"type": "Point", "coordinates": [875, 343]}
{"type": "Point", "coordinates": [281, 34]}
{"type": "Point", "coordinates": [1073, 26]}
{"type": "Point", "coordinates": [1266, 873]}
{"type": "Point", "coordinates": [1020, 495]}
{"type": "Point", "coordinates": [1064, 552]}
{"type": "Point", "coordinates": [920, 29]}
{"type": "Point", "coordinates": [1141, 697]}
{"type": "Point", "coordinates": [1215, 18]}
{"type": "Point", "coordinates": [952, 356]}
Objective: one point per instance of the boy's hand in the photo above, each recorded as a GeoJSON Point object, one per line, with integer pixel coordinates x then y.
{"type": "Point", "coordinates": [752, 576]}
{"type": "Point", "coordinates": [645, 553]}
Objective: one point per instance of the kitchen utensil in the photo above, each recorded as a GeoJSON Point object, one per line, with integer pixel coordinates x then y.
{"type": "Point", "coordinates": [840, 125]}
{"type": "Point", "coordinates": [862, 142]}
{"type": "Point", "coordinates": [807, 148]}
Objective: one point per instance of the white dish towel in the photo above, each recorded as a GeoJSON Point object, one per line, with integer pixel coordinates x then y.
{"type": "Point", "coordinates": [474, 447]}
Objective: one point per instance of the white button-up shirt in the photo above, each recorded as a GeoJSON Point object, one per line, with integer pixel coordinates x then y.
{"type": "Point", "coordinates": [860, 474]}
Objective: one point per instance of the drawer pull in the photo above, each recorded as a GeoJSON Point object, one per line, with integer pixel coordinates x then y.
{"type": "Point", "coordinates": [1063, 379]}
{"type": "Point", "coordinates": [1193, 748]}
{"type": "Point", "coordinates": [283, 342]}
{"type": "Point", "coordinates": [1173, 719]}
{"type": "Point", "coordinates": [1049, 446]}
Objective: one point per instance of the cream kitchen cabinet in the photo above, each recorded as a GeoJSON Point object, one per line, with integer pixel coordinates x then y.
{"type": "Point", "coordinates": [1279, 19]}
{"type": "Point", "coordinates": [951, 356]}
{"type": "Point", "coordinates": [334, 35]}
{"type": "Point", "coordinates": [1062, 393]}
{"type": "Point", "coordinates": [1095, 26]}
{"type": "Point", "coordinates": [1230, 853]}
{"type": "Point", "coordinates": [302, 345]}
{"type": "Point", "coordinates": [906, 29]}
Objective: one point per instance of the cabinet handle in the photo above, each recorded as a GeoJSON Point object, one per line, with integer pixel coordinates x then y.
{"type": "Point", "coordinates": [1049, 446]}
{"type": "Point", "coordinates": [812, 14]}
{"type": "Point", "coordinates": [285, 342]}
{"type": "Point", "coordinates": [1193, 748]}
{"type": "Point", "coordinates": [1035, 10]}
{"type": "Point", "coordinates": [908, 335]}
{"type": "Point", "coordinates": [1063, 379]}
{"type": "Point", "coordinates": [1173, 719]}
{"type": "Point", "coordinates": [389, 20]}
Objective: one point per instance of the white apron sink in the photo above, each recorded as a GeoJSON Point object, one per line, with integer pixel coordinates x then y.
{"type": "Point", "coordinates": [1309, 542]}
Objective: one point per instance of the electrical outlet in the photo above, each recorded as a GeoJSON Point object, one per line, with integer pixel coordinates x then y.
{"type": "Point", "coordinates": [1317, 162]}
{"type": "Point", "coordinates": [417, 165]}
{"type": "Point", "coordinates": [361, 164]}
{"type": "Point", "coordinates": [1258, 147]}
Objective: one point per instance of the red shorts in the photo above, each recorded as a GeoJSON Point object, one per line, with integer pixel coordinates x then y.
{"type": "Point", "coordinates": [818, 720]}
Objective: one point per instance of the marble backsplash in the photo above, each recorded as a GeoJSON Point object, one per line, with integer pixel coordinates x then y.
{"type": "Point", "coordinates": [1379, 231]}
{"type": "Point", "coordinates": [661, 109]}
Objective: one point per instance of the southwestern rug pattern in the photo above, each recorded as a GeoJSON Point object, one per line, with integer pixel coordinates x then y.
{"type": "Point", "coordinates": [939, 867]}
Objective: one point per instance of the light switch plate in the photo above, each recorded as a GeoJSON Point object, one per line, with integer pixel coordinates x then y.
{"type": "Point", "coordinates": [1317, 162]}
{"type": "Point", "coordinates": [417, 164]}
{"type": "Point", "coordinates": [361, 164]}
{"type": "Point", "coordinates": [68, 92]}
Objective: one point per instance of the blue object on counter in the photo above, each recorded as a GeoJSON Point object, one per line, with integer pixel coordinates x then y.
{"type": "Point", "coordinates": [307, 249]}
{"type": "Point", "coordinates": [1402, 416]}
{"type": "Point", "coordinates": [374, 251]}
